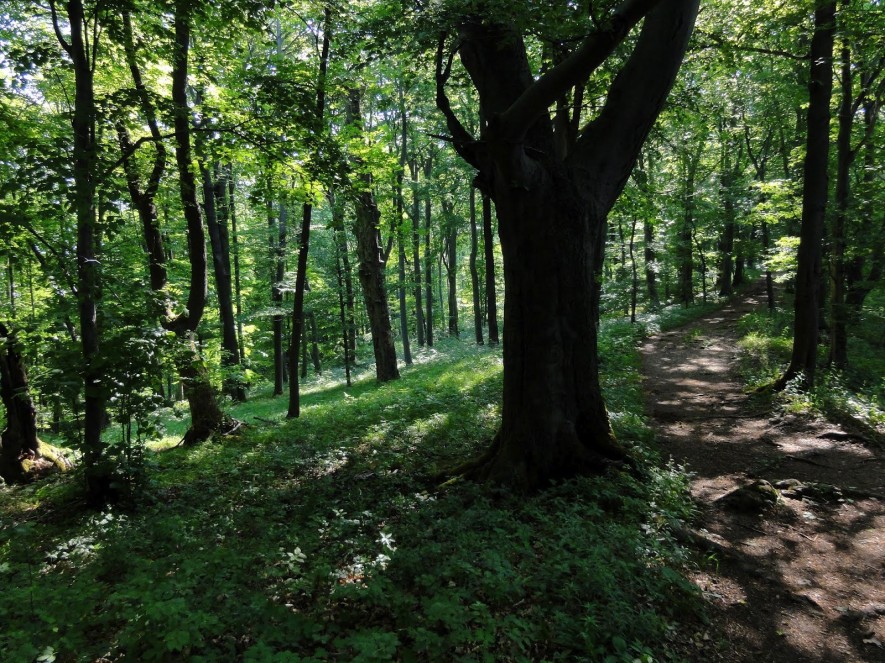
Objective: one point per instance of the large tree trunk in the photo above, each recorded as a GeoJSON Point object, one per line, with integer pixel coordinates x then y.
{"type": "Point", "coordinates": [371, 275]}
{"type": "Point", "coordinates": [554, 422]}
{"type": "Point", "coordinates": [552, 218]}
{"type": "Point", "coordinates": [803, 361]}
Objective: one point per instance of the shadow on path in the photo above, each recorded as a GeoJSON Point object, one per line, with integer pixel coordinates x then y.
{"type": "Point", "coordinates": [800, 579]}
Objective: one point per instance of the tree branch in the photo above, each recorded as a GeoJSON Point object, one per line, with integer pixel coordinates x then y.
{"type": "Point", "coordinates": [575, 69]}
{"type": "Point", "coordinates": [718, 41]}
{"type": "Point", "coordinates": [61, 39]}
{"type": "Point", "coordinates": [461, 139]}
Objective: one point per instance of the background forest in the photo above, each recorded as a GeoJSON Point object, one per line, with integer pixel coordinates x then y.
{"type": "Point", "coordinates": [253, 301]}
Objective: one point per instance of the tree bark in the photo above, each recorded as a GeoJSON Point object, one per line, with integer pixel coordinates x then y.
{"type": "Point", "coordinates": [304, 237]}
{"type": "Point", "coordinates": [278, 252]}
{"type": "Point", "coordinates": [684, 249]}
{"type": "Point", "coordinates": [488, 239]}
{"type": "Point", "coordinates": [552, 217]}
{"type": "Point", "coordinates": [216, 210]}
{"type": "Point", "coordinates": [803, 360]}
{"type": "Point", "coordinates": [206, 414]}
{"type": "Point", "coordinates": [97, 472]}
{"type": "Point", "coordinates": [238, 292]}
{"type": "Point", "coordinates": [18, 441]}
{"type": "Point", "coordinates": [450, 259]}
{"type": "Point", "coordinates": [416, 255]}
{"type": "Point", "coordinates": [428, 257]}
{"type": "Point", "coordinates": [370, 255]}
{"type": "Point", "coordinates": [474, 273]}
{"type": "Point", "coordinates": [401, 235]}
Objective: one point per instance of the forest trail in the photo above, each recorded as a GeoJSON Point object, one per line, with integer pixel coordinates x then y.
{"type": "Point", "coordinates": [795, 573]}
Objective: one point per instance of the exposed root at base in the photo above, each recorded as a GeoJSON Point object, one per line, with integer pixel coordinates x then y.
{"type": "Point", "coordinates": [500, 466]}
{"type": "Point", "coordinates": [229, 426]}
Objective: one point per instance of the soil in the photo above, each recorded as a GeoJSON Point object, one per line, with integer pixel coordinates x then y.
{"type": "Point", "coordinates": [792, 570]}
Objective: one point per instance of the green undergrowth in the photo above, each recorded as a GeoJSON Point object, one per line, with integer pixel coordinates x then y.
{"type": "Point", "coordinates": [855, 396]}
{"type": "Point", "coordinates": [327, 538]}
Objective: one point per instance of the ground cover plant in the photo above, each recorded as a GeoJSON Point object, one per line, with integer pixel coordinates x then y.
{"type": "Point", "coordinates": [854, 395]}
{"type": "Point", "coordinates": [329, 538]}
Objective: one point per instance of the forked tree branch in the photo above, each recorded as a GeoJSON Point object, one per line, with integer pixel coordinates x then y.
{"type": "Point", "coordinates": [574, 70]}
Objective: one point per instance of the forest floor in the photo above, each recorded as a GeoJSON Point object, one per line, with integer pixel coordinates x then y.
{"type": "Point", "coordinates": [794, 569]}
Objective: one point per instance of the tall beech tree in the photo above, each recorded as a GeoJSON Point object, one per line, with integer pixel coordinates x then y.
{"type": "Point", "coordinates": [552, 197]}
{"type": "Point", "coordinates": [304, 236]}
{"type": "Point", "coordinates": [207, 417]}
{"type": "Point", "coordinates": [83, 55]}
{"type": "Point", "coordinates": [372, 257]}
{"type": "Point", "coordinates": [803, 360]}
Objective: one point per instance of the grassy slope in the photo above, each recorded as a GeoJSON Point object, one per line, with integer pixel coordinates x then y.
{"type": "Point", "coordinates": [326, 538]}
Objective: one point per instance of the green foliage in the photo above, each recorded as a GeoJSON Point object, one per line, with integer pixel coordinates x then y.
{"type": "Point", "coordinates": [326, 538]}
{"type": "Point", "coordinates": [857, 394]}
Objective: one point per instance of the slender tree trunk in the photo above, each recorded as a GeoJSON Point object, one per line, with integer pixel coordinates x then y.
{"type": "Point", "coordinates": [474, 273]}
{"type": "Point", "coordinates": [401, 293]}
{"type": "Point", "coordinates": [400, 232]}
{"type": "Point", "coordinates": [235, 238]}
{"type": "Point", "coordinates": [346, 325]}
{"type": "Point", "coordinates": [651, 283]}
{"type": "Point", "coordinates": [450, 258]}
{"type": "Point", "coordinates": [488, 238]}
{"type": "Point", "coordinates": [684, 245]}
{"type": "Point", "coordinates": [428, 257]}
{"type": "Point", "coordinates": [278, 251]}
{"type": "Point", "coordinates": [634, 288]}
{"type": "Point", "coordinates": [416, 255]}
{"type": "Point", "coordinates": [304, 237]}
{"type": "Point", "coordinates": [216, 212]}
{"type": "Point", "coordinates": [343, 254]}
{"type": "Point", "coordinates": [702, 267]}
{"type": "Point", "coordinates": [726, 242]}
{"type": "Point", "coordinates": [97, 473]}
{"type": "Point", "coordinates": [206, 415]}
{"type": "Point", "coordinates": [844, 158]}
{"type": "Point", "coordinates": [803, 360]}
{"type": "Point", "coordinates": [769, 280]}
{"type": "Point", "coordinates": [866, 267]}
{"type": "Point", "coordinates": [315, 344]}
{"type": "Point", "coordinates": [10, 273]}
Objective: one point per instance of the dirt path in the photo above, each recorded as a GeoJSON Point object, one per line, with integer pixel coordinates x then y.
{"type": "Point", "coordinates": [795, 574]}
